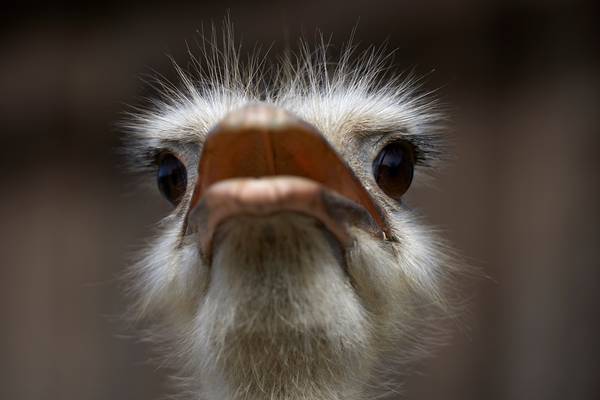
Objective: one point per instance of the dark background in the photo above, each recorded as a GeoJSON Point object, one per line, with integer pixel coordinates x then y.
{"type": "Point", "coordinates": [520, 199]}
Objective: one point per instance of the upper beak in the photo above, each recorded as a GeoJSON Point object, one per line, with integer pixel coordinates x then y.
{"type": "Point", "coordinates": [261, 159]}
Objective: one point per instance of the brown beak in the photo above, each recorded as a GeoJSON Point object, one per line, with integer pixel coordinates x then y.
{"type": "Point", "coordinates": [261, 159]}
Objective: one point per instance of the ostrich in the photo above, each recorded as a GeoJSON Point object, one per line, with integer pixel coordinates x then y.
{"type": "Point", "coordinates": [289, 268]}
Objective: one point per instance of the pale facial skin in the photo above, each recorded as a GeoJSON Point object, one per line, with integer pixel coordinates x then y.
{"type": "Point", "coordinates": [289, 268]}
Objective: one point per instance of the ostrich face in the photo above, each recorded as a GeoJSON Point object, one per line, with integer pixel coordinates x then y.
{"type": "Point", "coordinates": [289, 267]}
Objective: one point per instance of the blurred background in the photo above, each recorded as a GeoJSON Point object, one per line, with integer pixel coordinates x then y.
{"type": "Point", "coordinates": [520, 199]}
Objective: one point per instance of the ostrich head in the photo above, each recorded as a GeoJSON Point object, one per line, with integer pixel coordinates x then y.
{"type": "Point", "coordinates": [289, 268]}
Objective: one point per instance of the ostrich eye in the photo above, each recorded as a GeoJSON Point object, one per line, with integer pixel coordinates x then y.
{"type": "Point", "coordinates": [393, 169]}
{"type": "Point", "coordinates": [172, 178]}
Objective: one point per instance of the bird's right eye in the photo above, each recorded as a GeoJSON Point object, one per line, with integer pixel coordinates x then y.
{"type": "Point", "coordinates": [172, 178]}
{"type": "Point", "coordinates": [393, 168]}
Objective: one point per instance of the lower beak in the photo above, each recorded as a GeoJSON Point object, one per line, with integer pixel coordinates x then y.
{"type": "Point", "coordinates": [260, 160]}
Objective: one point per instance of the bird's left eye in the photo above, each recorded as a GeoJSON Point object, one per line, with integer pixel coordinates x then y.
{"type": "Point", "coordinates": [172, 178]}
{"type": "Point", "coordinates": [393, 168]}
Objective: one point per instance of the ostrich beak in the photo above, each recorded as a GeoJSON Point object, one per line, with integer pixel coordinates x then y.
{"type": "Point", "coordinates": [261, 160]}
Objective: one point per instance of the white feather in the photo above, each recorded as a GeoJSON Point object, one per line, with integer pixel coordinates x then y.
{"type": "Point", "coordinates": [282, 318]}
